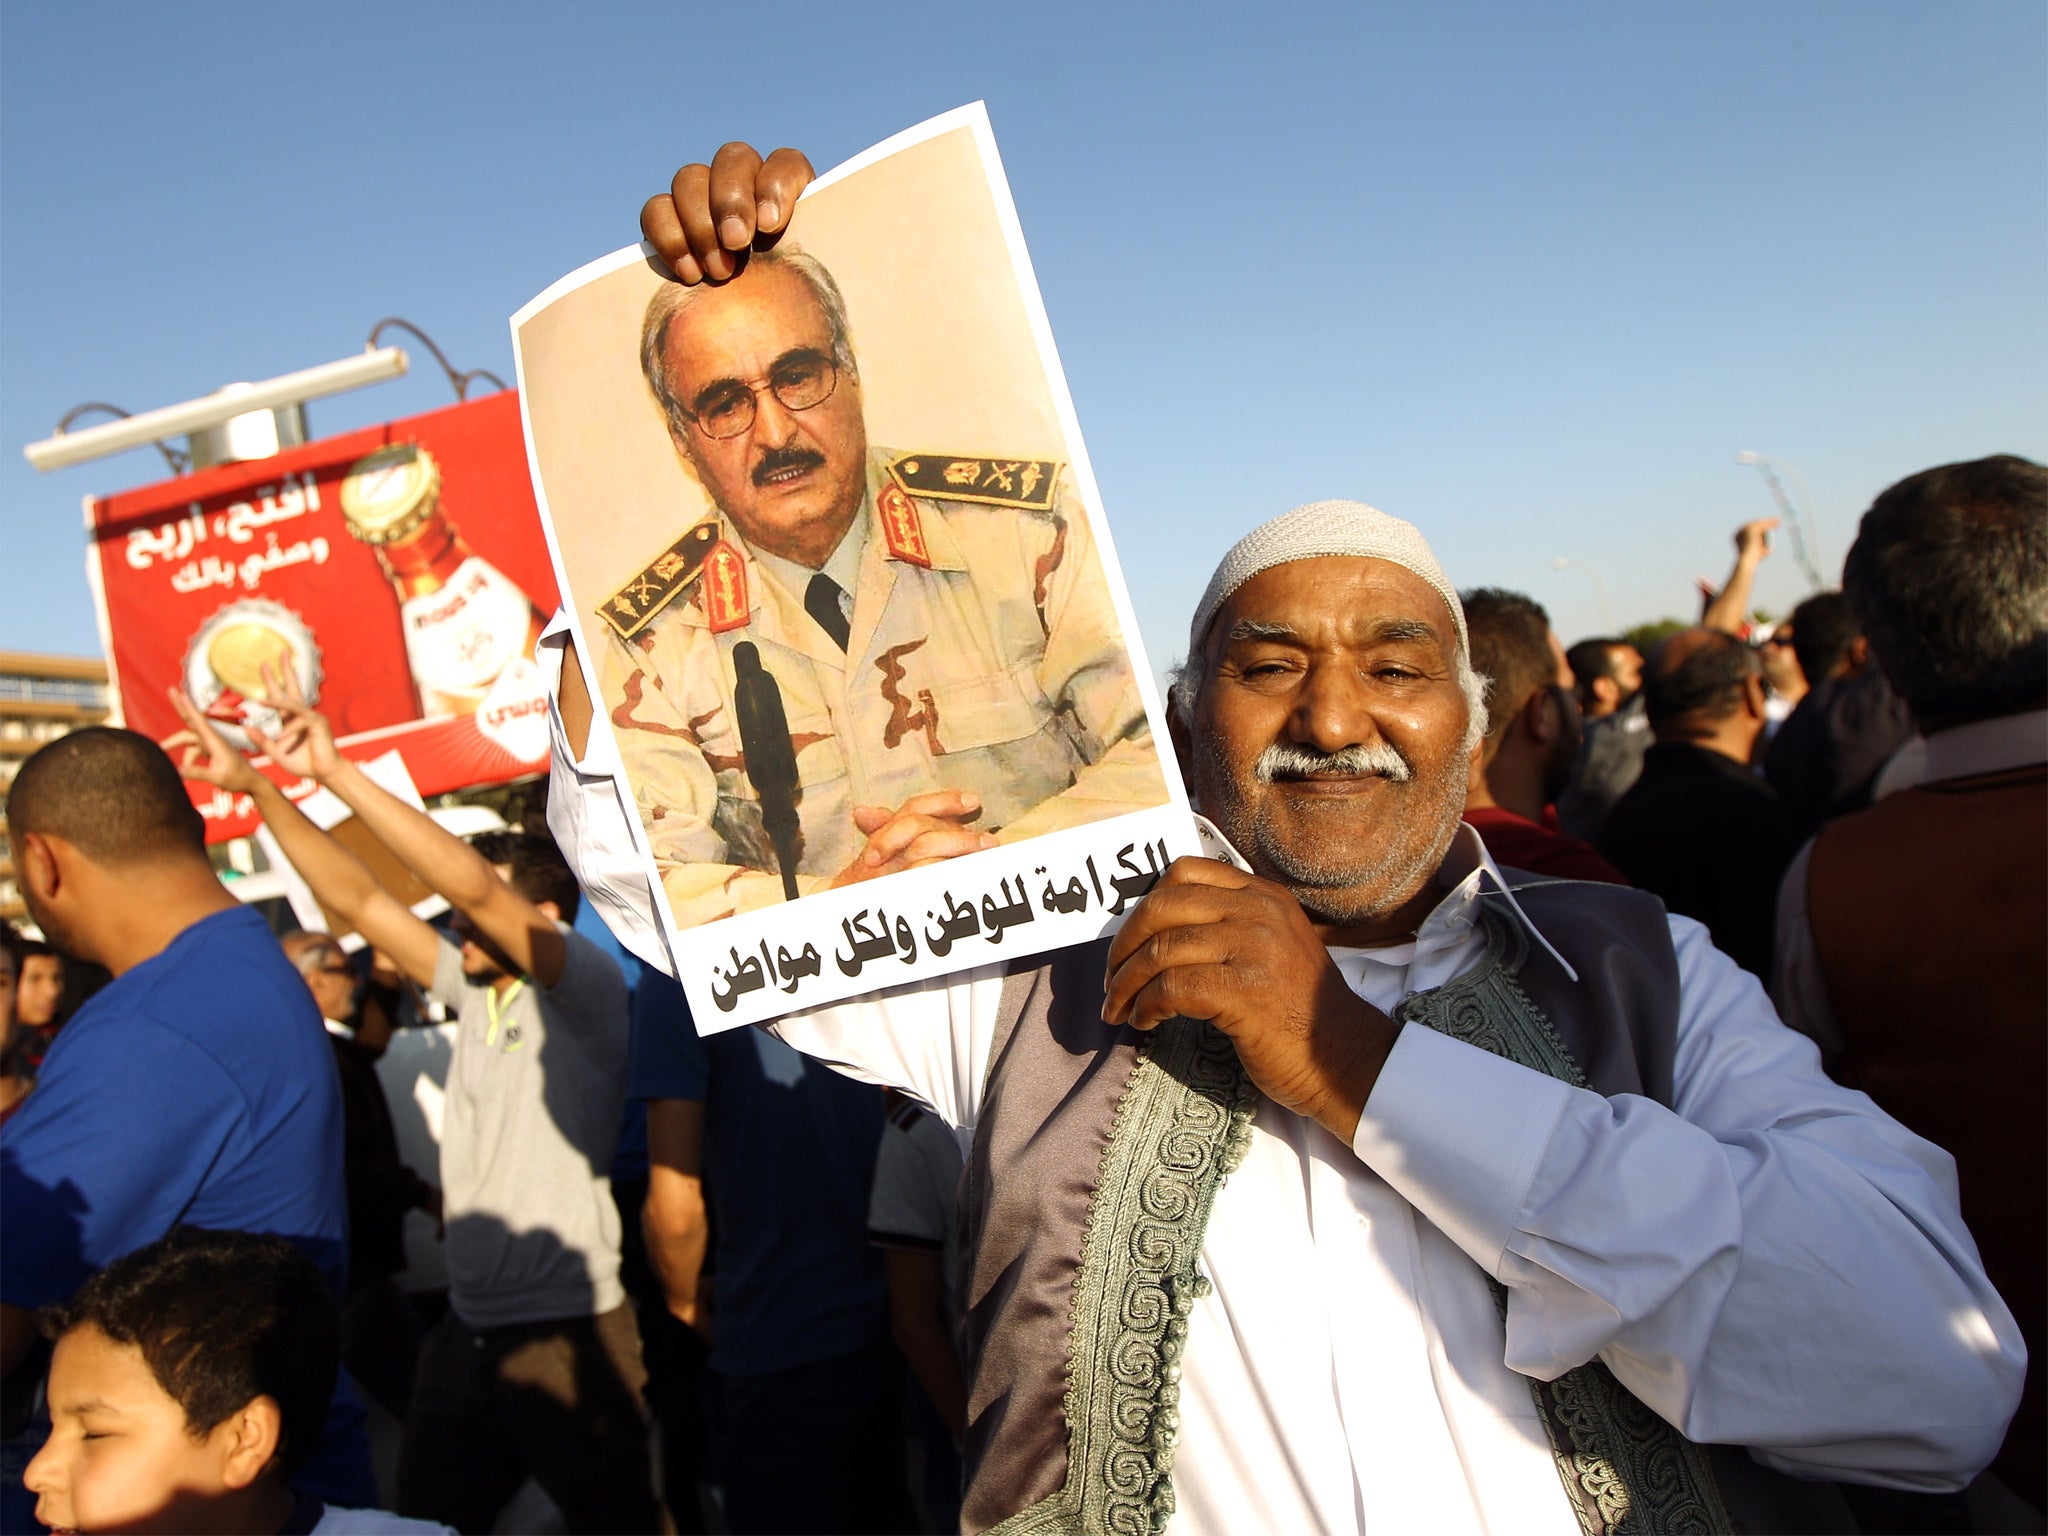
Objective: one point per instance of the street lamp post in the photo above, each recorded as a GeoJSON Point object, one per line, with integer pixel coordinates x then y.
{"type": "Point", "coordinates": [1799, 523]}
{"type": "Point", "coordinates": [201, 416]}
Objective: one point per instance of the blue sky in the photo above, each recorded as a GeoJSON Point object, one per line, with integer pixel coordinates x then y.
{"type": "Point", "coordinates": [1528, 276]}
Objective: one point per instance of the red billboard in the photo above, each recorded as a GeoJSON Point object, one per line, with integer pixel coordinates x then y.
{"type": "Point", "coordinates": [399, 572]}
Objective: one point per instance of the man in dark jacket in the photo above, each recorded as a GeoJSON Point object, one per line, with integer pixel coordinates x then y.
{"type": "Point", "coordinates": [1827, 753]}
{"type": "Point", "coordinates": [380, 1331]}
{"type": "Point", "coordinates": [1699, 828]}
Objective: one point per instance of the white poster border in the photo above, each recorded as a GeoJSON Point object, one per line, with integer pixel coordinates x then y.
{"type": "Point", "coordinates": [1051, 891]}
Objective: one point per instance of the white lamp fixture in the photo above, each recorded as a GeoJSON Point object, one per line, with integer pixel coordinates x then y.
{"type": "Point", "coordinates": [68, 448]}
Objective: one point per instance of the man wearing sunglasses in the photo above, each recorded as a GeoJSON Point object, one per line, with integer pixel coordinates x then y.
{"type": "Point", "coordinates": [937, 625]}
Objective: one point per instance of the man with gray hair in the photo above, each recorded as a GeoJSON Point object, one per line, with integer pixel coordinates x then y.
{"type": "Point", "coordinates": [1352, 1186]}
{"type": "Point", "coordinates": [1349, 1187]}
{"type": "Point", "coordinates": [1913, 935]}
{"type": "Point", "coordinates": [936, 626]}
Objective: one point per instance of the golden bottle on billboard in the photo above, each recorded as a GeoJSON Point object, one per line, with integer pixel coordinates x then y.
{"type": "Point", "coordinates": [467, 625]}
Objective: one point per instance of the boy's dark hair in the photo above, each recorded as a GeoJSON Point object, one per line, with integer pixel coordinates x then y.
{"type": "Point", "coordinates": [539, 872]}
{"type": "Point", "coordinates": [24, 949]}
{"type": "Point", "coordinates": [1949, 574]}
{"type": "Point", "coordinates": [222, 1318]}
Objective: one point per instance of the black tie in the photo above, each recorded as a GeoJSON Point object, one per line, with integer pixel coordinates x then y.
{"type": "Point", "coordinates": [821, 602]}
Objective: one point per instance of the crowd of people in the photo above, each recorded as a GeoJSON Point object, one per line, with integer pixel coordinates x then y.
{"type": "Point", "coordinates": [1440, 1158]}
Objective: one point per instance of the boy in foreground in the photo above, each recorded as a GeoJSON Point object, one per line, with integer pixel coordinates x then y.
{"type": "Point", "coordinates": [189, 1381]}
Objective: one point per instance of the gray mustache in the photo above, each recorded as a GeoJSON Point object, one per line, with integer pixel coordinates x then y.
{"type": "Point", "coordinates": [1287, 760]}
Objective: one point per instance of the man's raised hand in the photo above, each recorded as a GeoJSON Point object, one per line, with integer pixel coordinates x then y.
{"type": "Point", "coordinates": [304, 743]}
{"type": "Point", "coordinates": [1753, 538]}
{"type": "Point", "coordinates": [711, 212]}
{"type": "Point", "coordinates": [1211, 942]}
{"type": "Point", "coordinates": [203, 754]}
{"type": "Point", "coordinates": [923, 830]}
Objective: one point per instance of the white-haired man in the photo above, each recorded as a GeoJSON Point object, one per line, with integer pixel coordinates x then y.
{"type": "Point", "coordinates": [1355, 1186]}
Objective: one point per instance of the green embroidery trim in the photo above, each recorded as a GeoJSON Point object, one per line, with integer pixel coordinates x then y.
{"type": "Point", "coordinates": [1182, 1124]}
{"type": "Point", "coordinates": [1484, 1007]}
{"type": "Point", "coordinates": [1626, 1471]}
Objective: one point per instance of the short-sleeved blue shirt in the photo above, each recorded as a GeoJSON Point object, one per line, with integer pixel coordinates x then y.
{"type": "Point", "coordinates": [197, 1087]}
{"type": "Point", "coordinates": [789, 1159]}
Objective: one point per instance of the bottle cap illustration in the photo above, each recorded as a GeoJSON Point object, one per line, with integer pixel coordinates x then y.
{"type": "Point", "coordinates": [225, 658]}
{"type": "Point", "coordinates": [388, 494]}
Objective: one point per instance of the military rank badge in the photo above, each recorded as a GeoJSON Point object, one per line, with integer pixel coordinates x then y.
{"type": "Point", "coordinates": [1026, 483]}
{"type": "Point", "coordinates": [629, 609]}
{"type": "Point", "coordinates": [724, 592]}
{"type": "Point", "coordinates": [902, 529]}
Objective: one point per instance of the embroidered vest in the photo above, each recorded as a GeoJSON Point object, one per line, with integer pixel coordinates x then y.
{"type": "Point", "coordinates": [1099, 1153]}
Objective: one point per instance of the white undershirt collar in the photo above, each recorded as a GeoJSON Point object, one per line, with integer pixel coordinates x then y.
{"type": "Point", "coordinates": [1467, 867]}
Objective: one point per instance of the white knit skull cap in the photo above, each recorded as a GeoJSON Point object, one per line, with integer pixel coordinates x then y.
{"type": "Point", "coordinates": [1325, 528]}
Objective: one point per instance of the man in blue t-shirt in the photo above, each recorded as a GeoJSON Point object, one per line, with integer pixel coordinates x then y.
{"type": "Point", "coordinates": [779, 1153]}
{"type": "Point", "coordinates": [197, 1087]}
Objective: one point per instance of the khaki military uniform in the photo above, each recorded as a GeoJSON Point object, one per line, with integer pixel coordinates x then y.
{"type": "Point", "coordinates": [984, 655]}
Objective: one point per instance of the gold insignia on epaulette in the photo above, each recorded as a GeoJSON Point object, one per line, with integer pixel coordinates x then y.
{"type": "Point", "coordinates": [639, 600]}
{"type": "Point", "coordinates": [1001, 482]}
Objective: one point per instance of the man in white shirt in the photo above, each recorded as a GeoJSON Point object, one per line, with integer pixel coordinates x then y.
{"type": "Point", "coordinates": [1412, 1229]}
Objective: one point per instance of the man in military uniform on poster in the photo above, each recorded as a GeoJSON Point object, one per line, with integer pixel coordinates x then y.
{"type": "Point", "coordinates": [938, 627]}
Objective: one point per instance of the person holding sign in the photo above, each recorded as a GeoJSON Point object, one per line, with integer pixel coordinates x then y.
{"type": "Point", "coordinates": [863, 658]}
{"type": "Point", "coordinates": [1356, 1184]}
{"type": "Point", "coordinates": [536, 1367]}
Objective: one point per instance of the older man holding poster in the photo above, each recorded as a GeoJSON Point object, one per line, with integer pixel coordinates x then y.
{"type": "Point", "coordinates": [1358, 1185]}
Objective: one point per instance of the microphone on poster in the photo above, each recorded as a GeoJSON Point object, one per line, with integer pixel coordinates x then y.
{"type": "Point", "coordinates": [770, 759]}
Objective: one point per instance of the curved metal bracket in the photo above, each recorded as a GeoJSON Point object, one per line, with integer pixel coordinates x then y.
{"type": "Point", "coordinates": [459, 382]}
{"type": "Point", "coordinates": [180, 463]}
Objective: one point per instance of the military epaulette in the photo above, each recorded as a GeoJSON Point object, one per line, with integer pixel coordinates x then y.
{"type": "Point", "coordinates": [629, 609]}
{"type": "Point", "coordinates": [1001, 482]}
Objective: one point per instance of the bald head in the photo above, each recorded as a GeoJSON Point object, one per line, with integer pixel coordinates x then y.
{"type": "Point", "coordinates": [310, 951]}
{"type": "Point", "coordinates": [321, 960]}
{"type": "Point", "coordinates": [111, 794]}
{"type": "Point", "coordinates": [1698, 677]}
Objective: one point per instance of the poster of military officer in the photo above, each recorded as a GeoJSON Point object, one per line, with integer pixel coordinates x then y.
{"type": "Point", "coordinates": [839, 583]}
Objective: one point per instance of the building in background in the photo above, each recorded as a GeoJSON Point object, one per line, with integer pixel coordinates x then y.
{"type": "Point", "coordinates": [41, 698]}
